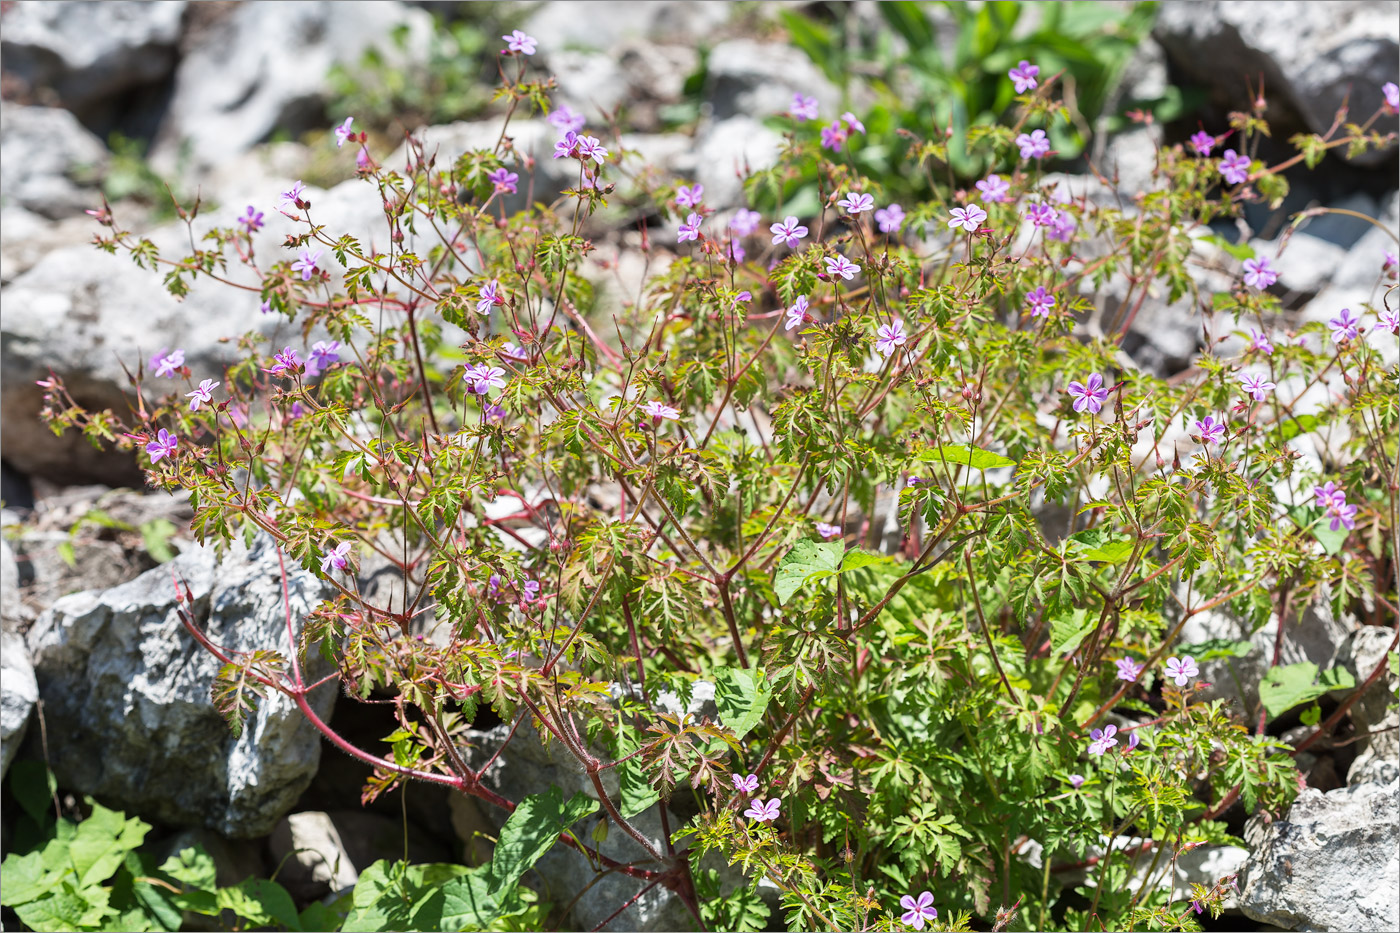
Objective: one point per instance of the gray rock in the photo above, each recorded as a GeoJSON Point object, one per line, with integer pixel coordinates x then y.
{"type": "Point", "coordinates": [322, 853]}
{"type": "Point", "coordinates": [1312, 57]}
{"type": "Point", "coordinates": [1376, 711]}
{"type": "Point", "coordinates": [264, 68]}
{"type": "Point", "coordinates": [726, 151]}
{"type": "Point", "coordinates": [757, 79]}
{"type": "Point", "coordinates": [10, 606]}
{"type": "Point", "coordinates": [48, 162]}
{"type": "Point", "coordinates": [1308, 263]}
{"type": "Point", "coordinates": [30, 237]}
{"type": "Point", "coordinates": [88, 52]}
{"type": "Point", "coordinates": [599, 25]}
{"type": "Point", "coordinates": [1333, 863]}
{"type": "Point", "coordinates": [118, 672]}
{"type": "Point", "coordinates": [18, 693]}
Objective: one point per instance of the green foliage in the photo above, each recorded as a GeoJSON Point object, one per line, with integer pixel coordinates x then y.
{"type": "Point", "coordinates": [1295, 684]}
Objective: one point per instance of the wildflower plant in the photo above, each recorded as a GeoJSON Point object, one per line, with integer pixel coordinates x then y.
{"type": "Point", "coordinates": [703, 479]}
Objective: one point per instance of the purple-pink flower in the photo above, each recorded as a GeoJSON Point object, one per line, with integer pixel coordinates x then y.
{"type": "Point", "coordinates": [994, 189]}
{"type": "Point", "coordinates": [889, 337]}
{"type": "Point", "coordinates": [890, 219]}
{"type": "Point", "coordinates": [253, 220]}
{"type": "Point", "coordinates": [323, 356]}
{"type": "Point", "coordinates": [1101, 740]}
{"type": "Point", "coordinates": [789, 231]}
{"type": "Point", "coordinates": [1076, 781]}
{"type": "Point", "coordinates": [797, 314]}
{"type": "Point", "coordinates": [1329, 495]}
{"type": "Point", "coordinates": [1344, 326]}
{"type": "Point", "coordinates": [1258, 340]}
{"type": "Point", "coordinates": [292, 196]}
{"type": "Point", "coordinates": [1133, 742]}
{"type": "Point", "coordinates": [804, 107]}
{"type": "Point", "coordinates": [1257, 386]}
{"type": "Point", "coordinates": [494, 413]}
{"type": "Point", "coordinates": [1033, 145]}
{"type": "Point", "coordinates": [1041, 301]}
{"type": "Point", "coordinates": [1023, 76]}
{"type": "Point", "coordinates": [918, 911]}
{"type": "Point", "coordinates": [659, 411]}
{"type": "Point", "coordinates": [828, 531]}
{"type": "Point", "coordinates": [482, 378]}
{"type": "Point", "coordinates": [490, 297]}
{"type": "Point", "coordinates": [567, 145]}
{"type": "Point", "coordinates": [343, 132]}
{"type": "Point", "coordinates": [1211, 431]}
{"type": "Point", "coordinates": [852, 123]}
{"type": "Point", "coordinates": [690, 230]}
{"type": "Point", "coordinates": [834, 136]}
{"type": "Point", "coordinates": [745, 222]}
{"type": "Point", "coordinates": [163, 446]}
{"type": "Point", "coordinates": [306, 263]}
{"type": "Point", "coordinates": [1342, 514]}
{"type": "Point", "coordinates": [1389, 320]}
{"type": "Point", "coordinates": [840, 265]}
{"type": "Point", "coordinates": [1089, 395]}
{"type": "Point", "coordinates": [517, 41]}
{"type": "Point", "coordinates": [1062, 227]}
{"type": "Point", "coordinates": [1182, 669]}
{"type": "Point", "coordinates": [1128, 669]}
{"type": "Point", "coordinates": [1259, 274]}
{"type": "Point", "coordinates": [337, 558]}
{"type": "Point", "coordinates": [763, 812]}
{"type": "Point", "coordinates": [1234, 168]}
{"type": "Point", "coordinates": [1202, 142]}
{"type": "Point", "coordinates": [589, 147]}
{"type": "Point", "coordinates": [504, 180]}
{"type": "Point", "coordinates": [745, 784]}
{"type": "Point", "coordinates": [855, 202]}
{"type": "Point", "coordinates": [1042, 215]}
{"type": "Point", "coordinates": [1392, 97]}
{"type": "Point", "coordinates": [168, 365]}
{"type": "Point", "coordinates": [285, 363]}
{"type": "Point", "coordinates": [566, 120]}
{"type": "Point", "coordinates": [969, 218]}
{"type": "Point", "coordinates": [690, 196]}
{"type": "Point", "coordinates": [202, 395]}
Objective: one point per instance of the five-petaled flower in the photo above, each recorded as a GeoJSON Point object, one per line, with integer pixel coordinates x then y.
{"type": "Point", "coordinates": [1041, 301]}
{"type": "Point", "coordinates": [690, 230]}
{"type": "Point", "coordinates": [567, 146]}
{"type": "Point", "coordinates": [1392, 97]}
{"type": "Point", "coordinates": [490, 297]}
{"type": "Point", "coordinates": [1234, 168]}
{"type": "Point", "coordinates": [994, 189]}
{"type": "Point", "coordinates": [1042, 215]}
{"type": "Point", "coordinates": [202, 395]}
{"type": "Point", "coordinates": [292, 196]}
{"type": "Point", "coordinates": [1342, 513]}
{"type": "Point", "coordinates": [482, 378]}
{"type": "Point", "coordinates": [589, 147]}
{"type": "Point", "coordinates": [284, 363]}
{"type": "Point", "coordinates": [855, 202]}
{"type": "Point", "coordinates": [1344, 326]}
{"type": "Point", "coordinates": [343, 132]}
{"type": "Point", "coordinates": [504, 180]}
{"type": "Point", "coordinates": [494, 413]}
{"type": "Point", "coordinates": [1076, 781]}
{"type": "Point", "coordinates": [1257, 386]}
{"type": "Point", "coordinates": [969, 218]}
{"type": "Point", "coordinates": [1258, 340]}
{"type": "Point", "coordinates": [336, 558]}
{"type": "Point", "coordinates": [890, 219]}
{"type": "Point", "coordinates": [763, 812]}
{"type": "Point", "coordinates": [306, 263]}
{"type": "Point", "coordinates": [834, 136]}
{"type": "Point", "coordinates": [789, 231]}
{"type": "Point", "coordinates": [323, 356]}
{"type": "Point", "coordinates": [745, 784]}
{"type": "Point", "coordinates": [163, 446]}
{"type": "Point", "coordinates": [804, 107]}
{"type": "Point", "coordinates": [1089, 395]}
{"type": "Point", "coordinates": [659, 411]}
{"type": "Point", "coordinates": [1211, 431]}
{"type": "Point", "coordinates": [852, 122]}
{"type": "Point", "coordinates": [168, 365]}
{"type": "Point", "coordinates": [1128, 669]}
{"type": "Point", "coordinates": [690, 196]}
{"type": "Point", "coordinates": [828, 531]}
{"type": "Point", "coordinates": [840, 265]}
{"type": "Point", "coordinates": [745, 222]}
{"type": "Point", "coordinates": [1033, 145]}
{"type": "Point", "coordinates": [1329, 495]}
{"type": "Point", "coordinates": [1023, 76]}
{"type": "Point", "coordinates": [517, 41]}
{"type": "Point", "coordinates": [566, 120]}
{"type": "Point", "coordinates": [1389, 320]}
{"type": "Point", "coordinates": [253, 220]}
{"type": "Point", "coordinates": [1259, 274]}
{"type": "Point", "coordinates": [797, 314]}
{"type": "Point", "coordinates": [1202, 142]}
{"type": "Point", "coordinates": [1182, 669]}
{"type": "Point", "coordinates": [1101, 740]}
{"type": "Point", "coordinates": [917, 911]}
{"type": "Point", "coordinates": [890, 336]}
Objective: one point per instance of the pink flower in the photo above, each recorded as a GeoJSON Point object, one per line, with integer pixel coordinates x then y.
{"type": "Point", "coordinates": [1211, 431]}
{"type": "Point", "coordinates": [994, 189]}
{"type": "Point", "coordinates": [1234, 168]}
{"type": "Point", "coordinates": [1342, 514]}
{"type": "Point", "coordinates": [163, 446]}
{"type": "Point", "coordinates": [1202, 142]}
{"type": "Point", "coordinates": [567, 146]}
{"type": "Point", "coordinates": [834, 137]}
{"type": "Point", "coordinates": [1133, 742]}
{"type": "Point", "coordinates": [1033, 145]}
{"type": "Point", "coordinates": [589, 147]}
{"type": "Point", "coordinates": [284, 363]}
{"type": "Point", "coordinates": [890, 336]}
{"type": "Point", "coordinates": [659, 412]}
{"type": "Point", "coordinates": [1062, 227]}
{"type": "Point", "coordinates": [1344, 326]}
{"type": "Point", "coordinates": [1259, 274]}
{"type": "Point", "coordinates": [690, 196]}
{"type": "Point", "coordinates": [336, 558]}
{"type": "Point", "coordinates": [1101, 740]}
{"type": "Point", "coordinates": [1256, 386]}
{"type": "Point", "coordinates": [1042, 215]}
{"type": "Point", "coordinates": [566, 120]}
{"type": "Point", "coordinates": [1023, 76]}
{"type": "Point", "coordinates": [517, 41]}
{"type": "Point", "coordinates": [789, 231]}
{"type": "Point", "coordinates": [323, 356]}
{"type": "Point", "coordinates": [504, 180]}
{"type": "Point", "coordinates": [745, 222]}
{"type": "Point", "coordinates": [253, 220]}
{"type": "Point", "coordinates": [855, 202]}
{"type": "Point", "coordinates": [343, 132]}
{"type": "Point", "coordinates": [1089, 395]}
{"type": "Point", "coordinates": [690, 230]}
{"type": "Point", "coordinates": [202, 395]}
{"type": "Point", "coordinates": [797, 314]}
{"type": "Point", "coordinates": [763, 812]}
{"type": "Point", "coordinates": [292, 196]}
{"type": "Point", "coordinates": [306, 263]}
{"type": "Point", "coordinates": [482, 378]}
{"type": "Point", "coordinates": [969, 218]}
{"type": "Point", "coordinates": [494, 413]}
{"type": "Point", "coordinates": [1392, 97]}
{"type": "Point", "coordinates": [1076, 781]}
{"type": "Point", "coordinates": [746, 784]}
{"type": "Point", "coordinates": [841, 266]}
{"type": "Point", "coordinates": [918, 910]}
{"type": "Point", "coordinates": [852, 122]}
{"type": "Point", "coordinates": [828, 531]}
{"type": "Point", "coordinates": [490, 297]}
{"type": "Point", "coordinates": [1260, 341]}
{"type": "Point", "coordinates": [1041, 301]}
{"type": "Point", "coordinates": [1181, 670]}
{"type": "Point", "coordinates": [1128, 669]}
{"type": "Point", "coordinates": [168, 365]}
{"type": "Point", "coordinates": [1329, 495]}
{"type": "Point", "coordinates": [890, 219]}
{"type": "Point", "coordinates": [803, 107]}
{"type": "Point", "coordinates": [1389, 320]}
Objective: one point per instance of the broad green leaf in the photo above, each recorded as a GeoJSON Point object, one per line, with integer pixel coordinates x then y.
{"type": "Point", "coordinates": [529, 833]}
{"type": "Point", "coordinates": [1102, 545]}
{"type": "Point", "coordinates": [1068, 631]}
{"type": "Point", "coordinates": [1215, 649]}
{"type": "Point", "coordinates": [807, 560]}
{"type": "Point", "coordinates": [975, 457]}
{"type": "Point", "coordinates": [101, 843]}
{"type": "Point", "coordinates": [855, 559]}
{"type": "Point", "coordinates": [1286, 687]}
{"type": "Point", "coordinates": [26, 879]}
{"type": "Point", "coordinates": [1298, 424]}
{"type": "Point", "coordinates": [635, 792]}
{"type": "Point", "coordinates": [741, 696]}
{"type": "Point", "coordinates": [63, 909]}
{"type": "Point", "coordinates": [193, 866]}
{"type": "Point", "coordinates": [1240, 251]}
{"type": "Point", "coordinates": [466, 902]}
{"type": "Point", "coordinates": [261, 902]}
{"type": "Point", "coordinates": [1332, 541]}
